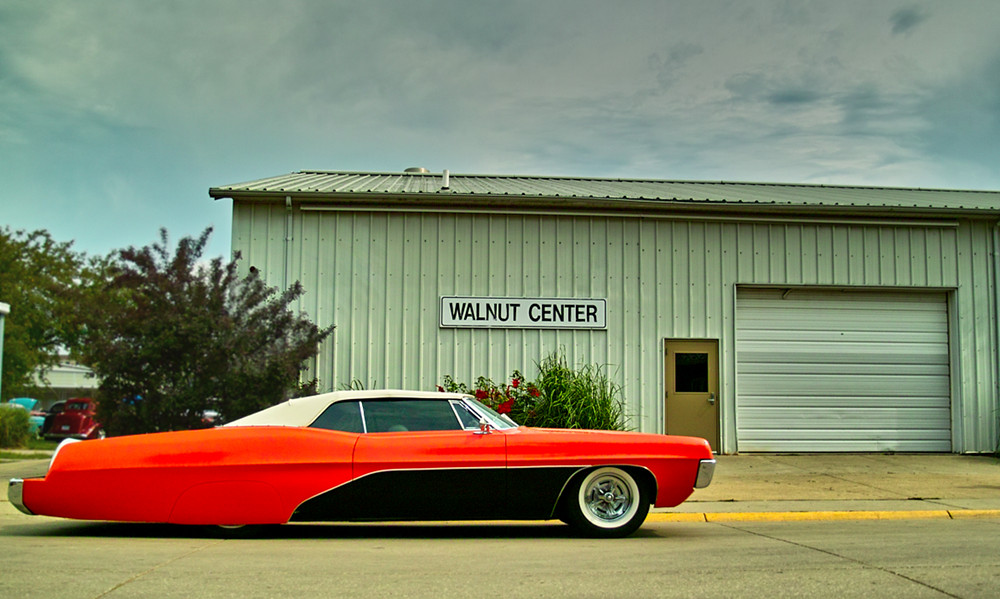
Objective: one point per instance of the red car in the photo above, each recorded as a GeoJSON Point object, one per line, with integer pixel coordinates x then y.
{"type": "Point", "coordinates": [371, 455]}
{"type": "Point", "coordinates": [76, 421]}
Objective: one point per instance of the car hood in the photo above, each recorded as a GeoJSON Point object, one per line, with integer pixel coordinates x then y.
{"type": "Point", "coordinates": [25, 402]}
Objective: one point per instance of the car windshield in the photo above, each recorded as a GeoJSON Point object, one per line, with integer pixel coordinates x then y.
{"type": "Point", "coordinates": [78, 405]}
{"type": "Point", "coordinates": [496, 420]}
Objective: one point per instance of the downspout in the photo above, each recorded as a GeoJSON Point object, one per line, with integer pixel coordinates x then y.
{"type": "Point", "coordinates": [996, 323]}
{"type": "Point", "coordinates": [4, 311]}
{"type": "Point", "coordinates": [288, 242]}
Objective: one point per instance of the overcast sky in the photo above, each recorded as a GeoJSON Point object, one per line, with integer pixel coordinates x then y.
{"type": "Point", "coordinates": [117, 116]}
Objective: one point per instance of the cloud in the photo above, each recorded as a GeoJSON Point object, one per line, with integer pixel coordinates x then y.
{"type": "Point", "coordinates": [905, 20]}
{"type": "Point", "coordinates": [150, 105]}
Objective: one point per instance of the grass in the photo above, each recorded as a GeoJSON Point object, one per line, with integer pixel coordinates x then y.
{"type": "Point", "coordinates": [35, 449]}
{"type": "Point", "coordinates": [42, 444]}
{"type": "Point", "coordinates": [7, 455]}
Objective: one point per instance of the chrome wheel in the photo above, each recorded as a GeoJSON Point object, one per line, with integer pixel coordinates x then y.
{"type": "Point", "coordinates": [608, 498]}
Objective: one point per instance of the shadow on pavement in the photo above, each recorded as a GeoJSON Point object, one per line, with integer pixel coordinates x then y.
{"type": "Point", "coordinates": [403, 530]}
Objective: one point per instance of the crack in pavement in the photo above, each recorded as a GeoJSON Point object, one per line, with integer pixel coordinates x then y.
{"type": "Point", "coordinates": [155, 568]}
{"type": "Point", "coordinates": [845, 558]}
{"type": "Point", "coordinates": [819, 475]}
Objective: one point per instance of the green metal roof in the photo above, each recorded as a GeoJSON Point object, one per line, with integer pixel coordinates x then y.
{"type": "Point", "coordinates": [576, 192]}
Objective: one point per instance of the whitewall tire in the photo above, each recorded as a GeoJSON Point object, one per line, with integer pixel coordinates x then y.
{"type": "Point", "coordinates": [608, 502]}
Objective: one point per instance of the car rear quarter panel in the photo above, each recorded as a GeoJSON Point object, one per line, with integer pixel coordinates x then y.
{"type": "Point", "coordinates": [673, 461]}
{"type": "Point", "coordinates": [239, 475]}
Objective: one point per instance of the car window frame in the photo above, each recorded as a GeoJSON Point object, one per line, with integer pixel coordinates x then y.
{"type": "Point", "coordinates": [475, 409]}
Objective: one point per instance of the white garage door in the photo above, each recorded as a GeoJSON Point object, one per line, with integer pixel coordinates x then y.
{"type": "Point", "coordinates": [842, 371]}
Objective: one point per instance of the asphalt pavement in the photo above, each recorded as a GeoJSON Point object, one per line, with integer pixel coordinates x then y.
{"type": "Point", "coordinates": [810, 486]}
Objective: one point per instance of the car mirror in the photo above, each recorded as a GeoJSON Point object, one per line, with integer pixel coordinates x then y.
{"type": "Point", "coordinates": [485, 427]}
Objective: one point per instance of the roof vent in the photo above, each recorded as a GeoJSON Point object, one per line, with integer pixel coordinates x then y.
{"type": "Point", "coordinates": [416, 169]}
{"type": "Point", "coordinates": [445, 184]}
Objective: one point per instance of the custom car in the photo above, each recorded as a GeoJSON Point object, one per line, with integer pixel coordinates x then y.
{"type": "Point", "coordinates": [77, 420]}
{"type": "Point", "coordinates": [54, 409]}
{"type": "Point", "coordinates": [371, 455]}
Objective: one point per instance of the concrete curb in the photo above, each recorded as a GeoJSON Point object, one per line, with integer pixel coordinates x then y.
{"type": "Point", "coordinates": [819, 515]}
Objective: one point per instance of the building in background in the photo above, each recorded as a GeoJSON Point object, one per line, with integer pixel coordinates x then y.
{"type": "Point", "coordinates": [764, 317]}
{"type": "Point", "coordinates": [64, 381]}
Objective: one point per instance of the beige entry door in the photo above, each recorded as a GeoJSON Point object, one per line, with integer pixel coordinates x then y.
{"type": "Point", "coordinates": [692, 384]}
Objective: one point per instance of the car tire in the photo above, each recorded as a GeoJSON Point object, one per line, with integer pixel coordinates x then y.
{"type": "Point", "coordinates": [608, 502]}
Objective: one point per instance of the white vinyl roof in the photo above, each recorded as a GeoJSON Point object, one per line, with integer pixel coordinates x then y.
{"type": "Point", "coordinates": [302, 411]}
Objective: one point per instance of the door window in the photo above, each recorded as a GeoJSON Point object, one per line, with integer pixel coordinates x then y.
{"type": "Point", "coordinates": [399, 415]}
{"type": "Point", "coordinates": [691, 372]}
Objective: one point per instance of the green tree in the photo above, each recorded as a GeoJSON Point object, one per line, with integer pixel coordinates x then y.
{"type": "Point", "coordinates": [171, 337]}
{"type": "Point", "coordinates": [37, 278]}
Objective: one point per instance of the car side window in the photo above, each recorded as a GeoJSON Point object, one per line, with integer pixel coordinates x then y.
{"type": "Point", "coordinates": [399, 415]}
{"type": "Point", "coordinates": [466, 415]}
{"type": "Point", "coordinates": [341, 416]}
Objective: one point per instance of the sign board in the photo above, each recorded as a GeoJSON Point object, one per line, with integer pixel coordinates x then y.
{"type": "Point", "coordinates": [523, 313]}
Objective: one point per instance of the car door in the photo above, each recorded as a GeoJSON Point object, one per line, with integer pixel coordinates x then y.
{"type": "Point", "coordinates": [416, 461]}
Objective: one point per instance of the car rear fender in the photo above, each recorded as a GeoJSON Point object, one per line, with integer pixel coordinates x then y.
{"type": "Point", "coordinates": [229, 503]}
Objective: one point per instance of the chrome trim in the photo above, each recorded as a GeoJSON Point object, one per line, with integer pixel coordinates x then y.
{"type": "Point", "coordinates": [706, 468]}
{"type": "Point", "coordinates": [15, 493]}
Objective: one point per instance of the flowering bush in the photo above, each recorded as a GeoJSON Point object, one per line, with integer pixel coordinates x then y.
{"type": "Point", "coordinates": [562, 397]}
{"type": "Point", "coordinates": [515, 398]}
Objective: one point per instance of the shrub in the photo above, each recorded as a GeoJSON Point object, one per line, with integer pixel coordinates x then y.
{"type": "Point", "coordinates": [13, 427]}
{"type": "Point", "coordinates": [585, 398]}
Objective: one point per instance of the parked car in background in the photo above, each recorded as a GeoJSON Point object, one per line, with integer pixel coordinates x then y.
{"type": "Point", "coordinates": [78, 420]}
{"type": "Point", "coordinates": [37, 417]}
{"type": "Point", "coordinates": [54, 409]}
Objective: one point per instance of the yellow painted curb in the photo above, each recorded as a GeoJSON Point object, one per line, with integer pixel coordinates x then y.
{"type": "Point", "coordinates": [675, 517]}
{"type": "Point", "coordinates": [975, 513]}
{"type": "Point", "coordinates": [845, 515]}
{"type": "Point", "coordinates": [819, 515]}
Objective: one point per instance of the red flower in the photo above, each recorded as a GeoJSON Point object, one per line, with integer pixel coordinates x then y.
{"type": "Point", "coordinates": [505, 407]}
{"type": "Point", "coordinates": [440, 389]}
{"type": "Point", "coordinates": [481, 394]}
{"type": "Point", "coordinates": [535, 392]}
{"type": "Point", "coordinates": [514, 383]}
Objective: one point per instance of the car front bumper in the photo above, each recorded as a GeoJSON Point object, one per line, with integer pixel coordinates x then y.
{"type": "Point", "coordinates": [706, 469]}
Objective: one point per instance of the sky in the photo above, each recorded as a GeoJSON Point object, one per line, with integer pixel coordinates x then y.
{"type": "Point", "coordinates": [116, 116]}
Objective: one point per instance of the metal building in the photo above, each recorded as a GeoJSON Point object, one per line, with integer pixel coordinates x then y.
{"type": "Point", "coordinates": [764, 317]}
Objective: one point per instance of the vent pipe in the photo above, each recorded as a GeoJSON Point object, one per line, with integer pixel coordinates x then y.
{"type": "Point", "coordinates": [444, 179]}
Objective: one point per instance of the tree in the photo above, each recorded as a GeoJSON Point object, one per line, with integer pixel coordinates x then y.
{"type": "Point", "coordinates": [37, 278]}
{"type": "Point", "coordinates": [171, 337]}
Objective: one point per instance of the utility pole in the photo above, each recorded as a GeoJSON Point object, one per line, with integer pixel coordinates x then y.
{"type": "Point", "coordinates": [4, 311]}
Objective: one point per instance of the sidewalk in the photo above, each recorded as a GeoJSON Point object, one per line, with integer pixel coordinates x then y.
{"type": "Point", "coordinates": [857, 486]}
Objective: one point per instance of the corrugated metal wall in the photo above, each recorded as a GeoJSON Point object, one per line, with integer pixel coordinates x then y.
{"type": "Point", "coordinates": [379, 275]}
